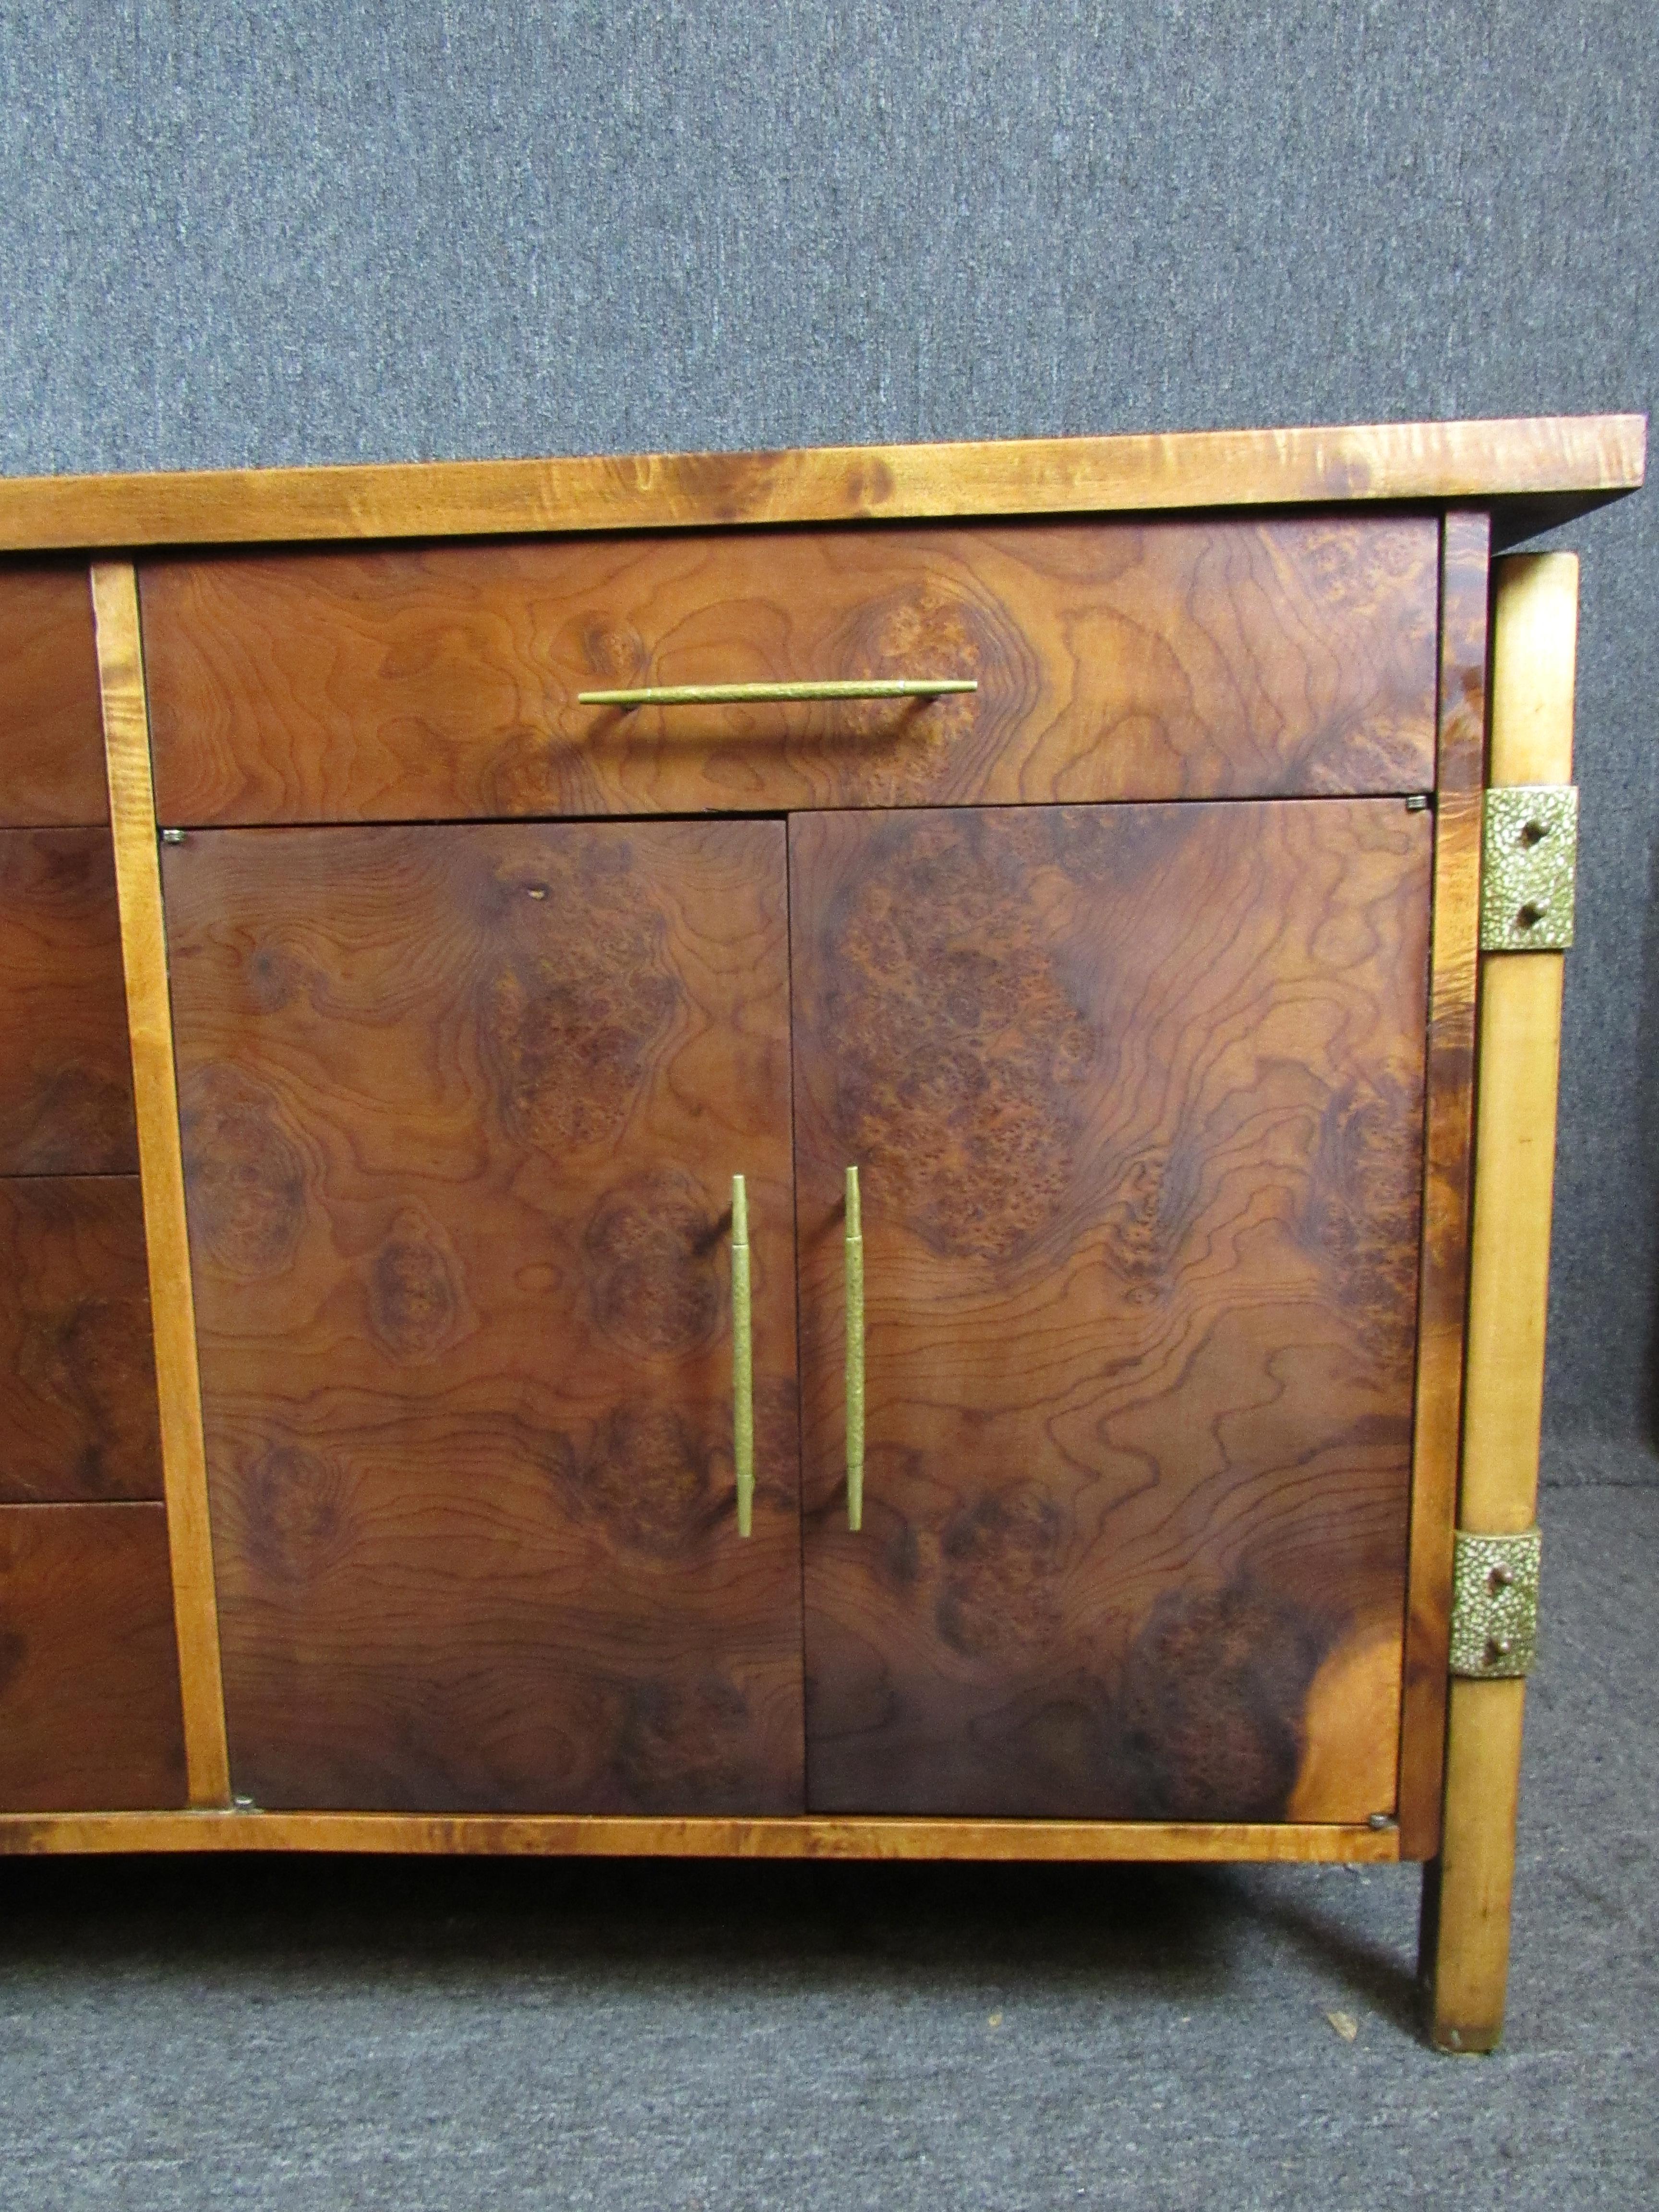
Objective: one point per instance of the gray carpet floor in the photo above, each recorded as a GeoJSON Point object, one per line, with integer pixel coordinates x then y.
{"type": "Point", "coordinates": [338, 2033]}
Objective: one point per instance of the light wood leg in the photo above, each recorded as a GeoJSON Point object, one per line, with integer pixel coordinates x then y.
{"type": "Point", "coordinates": [1465, 1944]}
{"type": "Point", "coordinates": [1466, 1898]}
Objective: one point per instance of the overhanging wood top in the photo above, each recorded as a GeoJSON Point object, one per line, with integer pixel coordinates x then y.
{"type": "Point", "coordinates": [1534, 471]}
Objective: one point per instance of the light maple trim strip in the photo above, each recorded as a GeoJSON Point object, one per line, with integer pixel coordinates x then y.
{"type": "Point", "coordinates": [1535, 647]}
{"type": "Point", "coordinates": [1447, 1150]}
{"type": "Point", "coordinates": [1534, 670]}
{"type": "Point", "coordinates": [561, 1835]}
{"type": "Point", "coordinates": [161, 1164]}
{"type": "Point", "coordinates": [1593, 456]}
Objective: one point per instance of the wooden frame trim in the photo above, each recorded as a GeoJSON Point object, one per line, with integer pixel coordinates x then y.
{"type": "Point", "coordinates": [1448, 1141]}
{"type": "Point", "coordinates": [1549, 468]}
{"type": "Point", "coordinates": [161, 1163]}
{"type": "Point", "coordinates": [561, 1835]}
{"type": "Point", "coordinates": [1466, 1933]}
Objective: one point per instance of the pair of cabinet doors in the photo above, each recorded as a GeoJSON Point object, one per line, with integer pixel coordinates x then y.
{"type": "Point", "coordinates": [1136, 1093]}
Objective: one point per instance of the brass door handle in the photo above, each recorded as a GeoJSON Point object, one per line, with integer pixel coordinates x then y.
{"type": "Point", "coordinates": [720, 695]}
{"type": "Point", "coordinates": [855, 1354]}
{"type": "Point", "coordinates": [743, 1360]}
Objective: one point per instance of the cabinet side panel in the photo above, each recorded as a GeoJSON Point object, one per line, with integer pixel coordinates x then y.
{"type": "Point", "coordinates": [1447, 1155]}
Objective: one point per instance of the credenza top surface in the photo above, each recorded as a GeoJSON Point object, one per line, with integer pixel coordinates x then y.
{"type": "Point", "coordinates": [1534, 472]}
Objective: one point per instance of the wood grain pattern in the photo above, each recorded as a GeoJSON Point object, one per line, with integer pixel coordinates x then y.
{"type": "Point", "coordinates": [1466, 1928]}
{"type": "Point", "coordinates": [1504, 1391]}
{"type": "Point", "coordinates": [66, 1072]}
{"type": "Point", "coordinates": [1190, 659]}
{"type": "Point", "coordinates": [1536, 618]}
{"type": "Point", "coordinates": [1467, 1890]}
{"type": "Point", "coordinates": [461, 1110]}
{"type": "Point", "coordinates": [1136, 1097]}
{"type": "Point", "coordinates": [1447, 1161]}
{"type": "Point", "coordinates": [1545, 469]}
{"type": "Point", "coordinates": [77, 1378]}
{"type": "Point", "coordinates": [89, 1714]}
{"type": "Point", "coordinates": [596, 1837]}
{"type": "Point", "coordinates": [1533, 678]}
{"type": "Point", "coordinates": [150, 1021]}
{"type": "Point", "coordinates": [52, 744]}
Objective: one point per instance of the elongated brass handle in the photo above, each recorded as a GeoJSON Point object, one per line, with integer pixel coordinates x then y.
{"type": "Point", "coordinates": [855, 1354]}
{"type": "Point", "coordinates": [721, 695]}
{"type": "Point", "coordinates": [743, 1360]}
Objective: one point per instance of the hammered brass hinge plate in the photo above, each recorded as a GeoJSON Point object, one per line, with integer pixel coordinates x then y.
{"type": "Point", "coordinates": [1528, 862]}
{"type": "Point", "coordinates": [1494, 1619]}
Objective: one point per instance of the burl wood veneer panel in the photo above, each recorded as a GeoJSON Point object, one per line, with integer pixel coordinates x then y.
{"type": "Point", "coordinates": [77, 1374]}
{"type": "Point", "coordinates": [51, 737]}
{"type": "Point", "coordinates": [65, 1069]}
{"type": "Point", "coordinates": [1174, 660]}
{"type": "Point", "coordinates": [461, 1106]}
{"type": "Point", "coordinates": [90, 1715]}
{"type": "Point", "coordinates": [1137, 1098]}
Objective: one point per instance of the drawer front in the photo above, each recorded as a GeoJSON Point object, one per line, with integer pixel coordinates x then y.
{"type": "Point", "coordinates": [89, 1710]}
{"type": "Point", "coordinates": [65, 1069]}
{"type": "Point", "coordinates": [77, 1374]}
{"type": "Point", "coordinates": [52, 741]}
{"type": "Point", "coordinates": [1180, 659]}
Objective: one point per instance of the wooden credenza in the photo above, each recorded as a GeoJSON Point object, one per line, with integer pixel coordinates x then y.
{"type": "Point", "coordinates": [453, 1394]}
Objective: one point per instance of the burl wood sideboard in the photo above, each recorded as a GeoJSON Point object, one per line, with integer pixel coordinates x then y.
{"type": "Point", "coordinates": [817, 1153]}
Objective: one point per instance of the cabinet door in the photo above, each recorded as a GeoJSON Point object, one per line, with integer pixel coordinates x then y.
{"type": "Point", "coordinates": [461, 1109]}
{"type": "Point", "coordinates": [1136, 1095]}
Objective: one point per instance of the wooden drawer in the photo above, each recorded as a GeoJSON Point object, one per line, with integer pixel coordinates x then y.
{"type": "Point", "coordinates": [51, 739]}
{"type": "Point", "coordinates": [65, 1069]}
{"type": "Point", "coordinates": [89, 1711]}
{"type": "Point", "coordinates": [77, 1374]}
{"type": "Point", "coordinates": [1180, 660]}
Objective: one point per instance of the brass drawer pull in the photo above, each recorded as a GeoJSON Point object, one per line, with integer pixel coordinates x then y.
{"type": "Point", "coordinates": [855, 1354]}
{"type": "Point", "coordinates": [721, 695]}
{"type": "Point", "coordinates": [743, 1360]}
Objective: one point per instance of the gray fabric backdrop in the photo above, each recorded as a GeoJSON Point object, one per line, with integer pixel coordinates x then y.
{"type": "Point", "coordinates": [324, 231]}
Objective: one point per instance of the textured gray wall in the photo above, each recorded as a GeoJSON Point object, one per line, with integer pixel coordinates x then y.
{"type": "Point", "coordinates": [326, 231]}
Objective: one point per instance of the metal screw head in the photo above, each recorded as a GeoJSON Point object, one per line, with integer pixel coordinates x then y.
{"type": "Point", "coordinates": [1532, 913]}
{"type": "Point", "coordinates": [173, 836]}
{"type": "Point", "coordinates": [1498, 1647]}
{"type": "Point", "coordinates": [1534, 833]}
{"type": "Point", "coordinates": [1500, 1578]}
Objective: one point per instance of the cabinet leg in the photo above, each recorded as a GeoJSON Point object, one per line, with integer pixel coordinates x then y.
{"type": "Point", "coordinates": [1463, 1955]}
